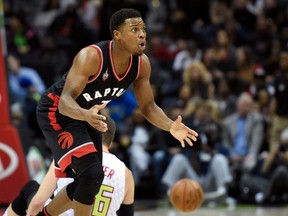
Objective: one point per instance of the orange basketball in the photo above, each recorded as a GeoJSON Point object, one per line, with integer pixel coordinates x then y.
{"type": "Point", "coordinates": [186, 195]}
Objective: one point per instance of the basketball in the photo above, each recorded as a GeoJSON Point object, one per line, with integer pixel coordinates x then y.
{"type": "Point", "coordinates": [186, 195]}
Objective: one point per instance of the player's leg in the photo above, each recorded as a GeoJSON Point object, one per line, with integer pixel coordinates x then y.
{"type": "Point", "coordinates": [90, 175]}
{"type": "Point", "coordinates": [73, 148]}
{"type": "Point", "coordinates": [20, 203]}
{"type": "Point", "coordinates": [64, 199]}
{"type": "Point", "coordinates": [178, 168]}
{"type": "Point", "coordinates": [60, 203]}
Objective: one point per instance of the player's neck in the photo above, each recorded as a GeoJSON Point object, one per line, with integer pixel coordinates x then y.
{"type": "Point", "coordinates": [119, 53]}
{"type": "Point", "coordinates": [105, 148]}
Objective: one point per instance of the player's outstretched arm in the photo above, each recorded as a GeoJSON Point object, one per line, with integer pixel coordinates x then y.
{"type": "Point", "coordinates": [44, 192]}
{"type": "Point", "coordinates": [154, 113]}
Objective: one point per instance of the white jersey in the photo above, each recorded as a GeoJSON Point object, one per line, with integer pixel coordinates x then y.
{"type": "Point", "coordinates": [112, 191]}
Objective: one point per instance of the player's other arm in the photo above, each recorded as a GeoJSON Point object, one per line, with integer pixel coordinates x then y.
{"type": "Point", "coordinates": [154, 113]}
{"type": "Point", "coordinates": [85, 65]}
{"type": "Point", "coordinates": [127, 206]}
{"type": "Point", "coordinates": [145, 98]}
{"type": "Point", "coordinates": [44, 192]}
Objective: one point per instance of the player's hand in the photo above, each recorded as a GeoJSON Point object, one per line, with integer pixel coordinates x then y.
{"type": "Point", "coordinates": [97, 120]}
{"type": "Point", "coordinates": [183, 133]}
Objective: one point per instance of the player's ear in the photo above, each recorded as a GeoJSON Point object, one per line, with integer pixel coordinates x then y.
{"type": "Point", "coordinates": [116, 34]}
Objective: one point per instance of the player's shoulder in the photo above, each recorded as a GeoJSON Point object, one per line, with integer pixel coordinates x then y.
{"type": "Point", "coordinates": [128, 173]}
{"type": "Point", "coordinates": [111, 156]}
{"type": "Point", "coordinates": [145, 58]}
{"type": "Point", "coordinates": [89, 51]}
{"type": "Point", "coordinates": [145, 65]}
{"type": "Point", "coordinates": [88, 55]}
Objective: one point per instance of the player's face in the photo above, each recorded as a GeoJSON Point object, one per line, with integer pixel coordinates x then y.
{"type": "Point", "coordinates": [133, 35]}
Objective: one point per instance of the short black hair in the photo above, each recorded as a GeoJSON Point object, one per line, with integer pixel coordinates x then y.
{"type": "Point", "coordinates": [119, 17]}
{"type": "Point", "coordinates": [108, 136]}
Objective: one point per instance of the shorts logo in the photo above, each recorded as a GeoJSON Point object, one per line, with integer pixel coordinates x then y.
{"type": "Point", "coordinates": [65, 140]}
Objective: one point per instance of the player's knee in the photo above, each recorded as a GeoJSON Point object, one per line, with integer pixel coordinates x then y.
{"type": "Point", "coordinates": [70, 189]}
{"type": "Point", "coordinates": [90, 178]}
{"type": "Point", "coordinates": [89, 184]}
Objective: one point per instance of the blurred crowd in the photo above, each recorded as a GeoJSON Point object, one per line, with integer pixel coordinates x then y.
{"type": "Point", "coordinates": [222, 65]}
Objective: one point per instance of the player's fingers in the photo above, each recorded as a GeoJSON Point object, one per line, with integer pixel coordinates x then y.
{"type": "Point", "coordinates": [102, 106]}
{"type": "Point", "coordinates": [96, 121]}
{"type": "Point", "coordinates": [192, 137]}
{"type": "Point", "coordinates": [99, 107]}
{"type": "Point", "coordinates": [190, 131]}
{"type": "Point", "coordinates": [100, 128]}
{"type": "Point", "coordinates": [100, 117]}
{"type": "Point", "coordinates": [194, 133]}
{"type": "Point", "coordinates": [189, 141]}
{"type": "Point", "coordinates": [100, 125]}
{"type": "Point", "coordinates": [179, 119]}
{"type": "Point", "coordinates": [182, 143]}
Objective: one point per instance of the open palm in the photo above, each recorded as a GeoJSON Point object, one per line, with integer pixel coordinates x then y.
{"type": "Point", "coordinates": [183, 133]}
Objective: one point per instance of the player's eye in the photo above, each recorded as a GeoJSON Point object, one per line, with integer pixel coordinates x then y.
{"type": "Point", "coordinates": [134, 30]}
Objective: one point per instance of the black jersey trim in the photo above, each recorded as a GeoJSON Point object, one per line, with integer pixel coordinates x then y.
{"type": "Point", "coordinates": [101, 63]}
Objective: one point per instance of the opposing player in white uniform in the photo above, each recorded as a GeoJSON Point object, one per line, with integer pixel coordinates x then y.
{"type": "Point", "coordinates": [116, 195]}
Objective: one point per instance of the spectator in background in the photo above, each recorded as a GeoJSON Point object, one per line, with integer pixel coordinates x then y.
{"type": "Point", "coordinates": [261, 91]}
{"type": "Point", "coordinates": [156, 17]}
{"type": "Point", "coordinates": [224, 52]}
{"type": "Point", "coordinates": [22, 38]}
{"type": "Point", "coordinates": [245, 63]}
{"type": "Point", "coordinates": [89, 12]}
{"type": "Point", "coordinates": [196, 76]}
{"type": "Point", "coordinates": [23, 80]}
{"type": "Point", "coordinates": [69, 32]}
{"type": "Point", "coordinates": [48, 13]}
{"type": "Point", "coordinates": [162, 147]}
{"type": "Point", "coordinates": [276, 10]}
{"type": "Point", "coordinates": [205, 31]}
{"type": "Point", "coordinates": [280, 105]}
{"type": "Point", "coordinates": [262, 39]}
{"type": "Point", "coordinates": [242, 136]}
{"type": "Point", "coordinates": [184, 57]}
{"type": "Point", "coordinates": [225, 99]}
{"type": "Point", "coordinates": [139, 157]}
{"type": "Point", "coordinates": [203, 164]}
{"type": "Point", "coordinates": [26, 88]}
{"type": "Point", "coordinates": [269, 186]}
{"type": "Point", "coordinates": [277, 174]}
{"type": "Point", "coordinates": [243, 16]}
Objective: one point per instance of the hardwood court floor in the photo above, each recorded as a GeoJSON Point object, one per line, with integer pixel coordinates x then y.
{"type": "Point", "coordinates": [217, 211]}
{"type": "Point", "coordinates": [163, 208]}
{"type": "Point", "coordinates": [223, 211]}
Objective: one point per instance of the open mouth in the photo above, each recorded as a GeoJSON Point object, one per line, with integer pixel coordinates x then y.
{"type": "Point", "coordinates": [142, 45]}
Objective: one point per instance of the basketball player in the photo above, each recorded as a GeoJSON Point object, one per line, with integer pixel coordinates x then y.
{"type": "Point", "coordinates": [68, 112]}
{"type": "Point", "coordinates": [116, 193]}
